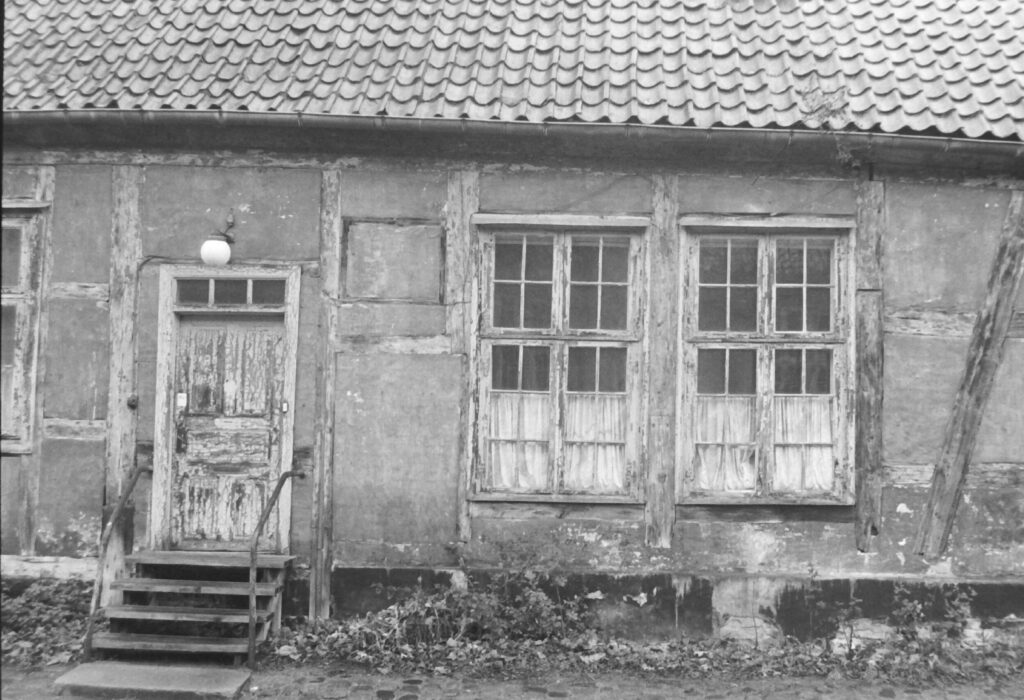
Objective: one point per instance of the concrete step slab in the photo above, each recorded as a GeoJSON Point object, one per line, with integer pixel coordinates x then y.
{"type": "Point", "coordinates": [153, 681]}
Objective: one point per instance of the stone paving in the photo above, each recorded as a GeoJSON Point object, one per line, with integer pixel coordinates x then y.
{"type": "Point", "coordinates": [314, 683]}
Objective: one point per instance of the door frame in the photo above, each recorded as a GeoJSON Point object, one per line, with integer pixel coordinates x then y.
{"type": "Point", "coordinates": [168, 323]}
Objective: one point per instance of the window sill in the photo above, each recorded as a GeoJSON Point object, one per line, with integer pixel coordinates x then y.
{"type": "Point", "coordinates": [496, 497]}
{"type": "Point", "coordinates": [778, 500]}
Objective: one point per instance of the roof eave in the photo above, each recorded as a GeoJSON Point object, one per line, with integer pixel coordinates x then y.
{"type": "Point", "coordinates": [857, 141]}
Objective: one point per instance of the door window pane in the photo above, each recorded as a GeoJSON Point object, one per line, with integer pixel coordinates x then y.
{"type": "Point", "coordinates": [268, 291]}
{"type": "Point", "coordinates": [230, 292]}
{"type": "Point", "coordinates": [194, 292]}
{"type": "Point", "coordinates": [743, 309]}
{"type": "Point", "coordinates": [10, 324]}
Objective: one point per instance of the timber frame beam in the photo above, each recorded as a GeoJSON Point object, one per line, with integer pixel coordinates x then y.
{"type": "Point", "coordinates": [869, 358]}
{"type": "Point", "coordinates": [984, 355]}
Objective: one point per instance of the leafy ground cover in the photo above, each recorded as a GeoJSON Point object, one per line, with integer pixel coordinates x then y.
{"type": "Point", "coordinates": [43, 623]}
{"type": "Point", "coordinates": [517, 626]}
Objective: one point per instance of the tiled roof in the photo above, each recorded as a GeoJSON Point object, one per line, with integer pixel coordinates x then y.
{"type": "Point", "coordinates": [925, 66]}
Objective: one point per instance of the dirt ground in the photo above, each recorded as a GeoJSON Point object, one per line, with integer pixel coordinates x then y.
{"type": "Point", "coordinates": [311, 683]}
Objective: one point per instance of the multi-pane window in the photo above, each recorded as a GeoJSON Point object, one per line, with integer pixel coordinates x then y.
{"type": "Point", "coordinates": [766, 361]}
{"type": "Point", "coordinates": [559, 358]}
{"type": "Point", "coordinates": [18, 286]}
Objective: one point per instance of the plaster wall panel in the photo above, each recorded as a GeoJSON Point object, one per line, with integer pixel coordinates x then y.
{"type": "Point", "coordinates": [82, 222]}
{"type": "Point", "coordinates": [564, 192]}
{"type": "Point", "coordinates": [1001, 436]}
{"type": "Point", "coordinates": [922, 374]}
{"type": "Point", "coordinates": [276, 211]}
{"type": "Point", "coordinates": [397, 432]}
{"type": "Point", "coordinates": [938, 249]}
{"type": "Point", "coordinates": [414, 194]}
{"type": "Point", "coordinates": [750, 194]}
{"type": "Point", "coordinates": [70, 497]}
{"type": "Point", "coordinates": [19, 181]}
{"type": "Point", "coordinates": [371, 319]}
{"type": "Point", "coordinates": [77, 360]}
{"type": "Point", "coordinates": [387, 261]}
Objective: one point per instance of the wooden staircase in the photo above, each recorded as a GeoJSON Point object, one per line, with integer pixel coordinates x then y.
{"type": "Point", "coordinates": [192, 603]}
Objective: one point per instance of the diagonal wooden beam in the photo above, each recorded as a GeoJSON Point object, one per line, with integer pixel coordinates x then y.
{"type": "Point", "coordinates": [984, 355]}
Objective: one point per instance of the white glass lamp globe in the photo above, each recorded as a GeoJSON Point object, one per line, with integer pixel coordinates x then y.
{"type": "Point", "coordinates": [215, 251]}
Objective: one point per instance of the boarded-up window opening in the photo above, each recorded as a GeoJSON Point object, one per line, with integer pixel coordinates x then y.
{"type": "Point", "coordinates": [560, 357]}
{"type": "Point", "coordinates": [766, 415]}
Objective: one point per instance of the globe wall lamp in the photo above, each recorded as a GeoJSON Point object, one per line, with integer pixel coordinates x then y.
{"type": "Point", "coordinates": [216, 249]}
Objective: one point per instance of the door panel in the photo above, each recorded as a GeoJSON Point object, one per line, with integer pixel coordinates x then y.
{"type": "Point", "coordinates": [229, 384]}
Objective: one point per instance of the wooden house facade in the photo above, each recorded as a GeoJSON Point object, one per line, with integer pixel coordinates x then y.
{"type": "Point", "coordinates": [701, 299]}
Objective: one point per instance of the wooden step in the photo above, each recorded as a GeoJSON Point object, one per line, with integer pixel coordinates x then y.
{"type": "Point", "coordinates": [164, 642]}
{"type": "Point", "coordinates": [163, 585]}
{"type": "Point", "coordinates": [223, 560]}
{"type": "Point", "coordinates": [182, 614]}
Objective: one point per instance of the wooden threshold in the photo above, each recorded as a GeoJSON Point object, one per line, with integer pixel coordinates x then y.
{"type": "Point", "coordinates": [182, 614]}
{"type": "Point", "coordinates": [161, 585]}
{"type": "Point", "coordinates": [225, 560]}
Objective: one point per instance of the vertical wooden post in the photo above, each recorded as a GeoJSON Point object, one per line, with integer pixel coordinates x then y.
{"type": "Point", "coordinates": [869, 354]}
{"type": "Point", "coordinates": [460, 289]}
{"type": "Point", "coordinates": [662, 343]}
{"type": "Point", "coordinates": [31, 464]}
{"type": "Point", "coordinates": [122, 419]}
{"type": "Point", "coordinates": [984, 355]}
{"type": "Point", "coordinates": [331, 225]}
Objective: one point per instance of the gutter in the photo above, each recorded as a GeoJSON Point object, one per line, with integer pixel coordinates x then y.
{"type": "Point", "coordinates": [484, 127]}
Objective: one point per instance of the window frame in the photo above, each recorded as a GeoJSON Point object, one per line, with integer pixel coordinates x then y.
{"type": "Point", "coordinates": [25, 299]}
{"type": "Point", "coordinates": [765, 340]}
{"type": "Point", "coordinates": [559, 337]}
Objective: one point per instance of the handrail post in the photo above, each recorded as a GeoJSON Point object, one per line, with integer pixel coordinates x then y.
{"type": "Point", "coordinates": [108, 531]}
{"type": "Point", "coordinates": [253, 546]}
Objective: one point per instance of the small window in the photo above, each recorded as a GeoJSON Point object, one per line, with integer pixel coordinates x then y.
{"type": "Point", "coordinates": [557, 399]}
{"type": "Point", "coordinates": [765, 416]}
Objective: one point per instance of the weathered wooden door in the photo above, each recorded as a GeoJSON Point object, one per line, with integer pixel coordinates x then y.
{"type": "Point", "coordinates": [229, 402]}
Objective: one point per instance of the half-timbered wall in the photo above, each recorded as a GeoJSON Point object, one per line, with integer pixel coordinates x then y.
{"type": "Point", "coordinates": [389, 375]}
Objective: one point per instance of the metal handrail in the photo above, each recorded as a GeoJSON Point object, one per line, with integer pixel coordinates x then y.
{"type": "Point", "coordinates": [253, 544]}
{"type": "Point", "coordinates": [108, 531]}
